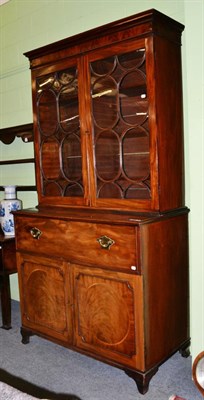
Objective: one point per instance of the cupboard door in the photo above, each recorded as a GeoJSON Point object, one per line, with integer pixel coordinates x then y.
{"type": "Point", "coordinates": [109, 315]}
{"type": "Point", "coordinates": [44, 296]}
{"type": "Point", "coordinates": [120, 125]}
{"type": "Point", "coordinates": [60, 144]}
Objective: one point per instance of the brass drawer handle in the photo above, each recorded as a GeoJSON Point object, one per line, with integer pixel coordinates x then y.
{"type": "Point", "coordinates": [35, 233]}
{"type": "Point", "coordinates": [105, 242]}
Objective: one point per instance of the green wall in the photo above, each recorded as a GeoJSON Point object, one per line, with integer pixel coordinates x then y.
{"type": "Point", "coordinates": [28, 24]}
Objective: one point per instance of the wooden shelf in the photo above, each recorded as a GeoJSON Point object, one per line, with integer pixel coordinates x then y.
{"type": "Point", "coordinates": [18, 161]}
{"type": "Point", "coordinates": [25, 132]}
{"type": "Point", "coordinates": [22, 188]}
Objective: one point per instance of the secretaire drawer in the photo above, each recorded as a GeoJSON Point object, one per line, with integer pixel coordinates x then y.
{"type": "Point", "coordinates": [90, 243]}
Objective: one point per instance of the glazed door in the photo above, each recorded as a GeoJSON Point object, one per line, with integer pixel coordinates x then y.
{"type": "Point", "coordinates": [93, 142]}
{"type": "Point", "coordinates": [109, 315]}
{"type": "Point", "coordinates": [121, 140]}
{"type": "Point", "coordinates": [59, 145]}
{"type": "Point", "coordinates": [45, 296]}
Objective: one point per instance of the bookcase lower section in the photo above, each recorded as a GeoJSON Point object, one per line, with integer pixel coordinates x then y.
{"type": "Point", "coordinates": [131, 313]}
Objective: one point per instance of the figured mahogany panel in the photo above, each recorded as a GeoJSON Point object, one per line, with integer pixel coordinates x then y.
{"type": "Point", "coordinates": [44, 296]}
{"type": "Point", "coordinates": [109, 314]}
{"type": "Point", "coordinates": [138, 25]}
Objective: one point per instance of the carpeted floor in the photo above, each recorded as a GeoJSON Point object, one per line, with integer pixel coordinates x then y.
{"type": "Point", "coordinates": [45, 370]}
{"type": "Point", "coordinates": [8, 392]}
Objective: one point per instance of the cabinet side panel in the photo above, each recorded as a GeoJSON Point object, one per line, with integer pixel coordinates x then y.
{"type": "Point", "coordinates": [166, 287]}
{"type": "Point", "coordinates": [169, 121]}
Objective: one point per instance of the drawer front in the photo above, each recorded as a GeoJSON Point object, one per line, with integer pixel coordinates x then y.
{"type": "Point", "coordinates": [90, 243]}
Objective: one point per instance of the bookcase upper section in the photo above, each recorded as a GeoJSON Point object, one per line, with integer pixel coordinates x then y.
{"type": "Point", "coordinates": [108, 122]}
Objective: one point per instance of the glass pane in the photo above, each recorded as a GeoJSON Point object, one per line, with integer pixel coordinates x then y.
{"type": "Point", "coordinates": [107, 155]}
{"type": "Point", "coordinates": [68, 101]}
{"type": "Point", "coordinates": [105, 102]}
{"type": "Point", "coordinates": [52, 189]}
{"type": "Point", "coordinates": [47, 112]}
{"type": "Point", "coordinates": [68, 77]}
{"type": "Point", "coordinates": [109, 190]}
{"type": "Point", "coordinates": [71, 157]}
{"type": "Point", "coordinates": [136, 154]}
{"type": "Point", "coordinates": [50, 159]}
{"type": "Point", "coordinates": [45, 82]}
{"type": "Point", "coordinates": [131, 60]}
{"type": "Point", "coordinates": [139, 191]}
{"type": "Point", "coordinates": [69, 113]}
{"type": "Point", "coordinates": [133, 98]}
{"type": "Point", "coordinates": [103, 67]}
{"type": "Point", "coordinates": [74, 190]}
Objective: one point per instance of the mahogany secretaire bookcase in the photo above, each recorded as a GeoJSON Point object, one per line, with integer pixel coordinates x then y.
{"type": "Point", "coordinates": [103, 258]}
